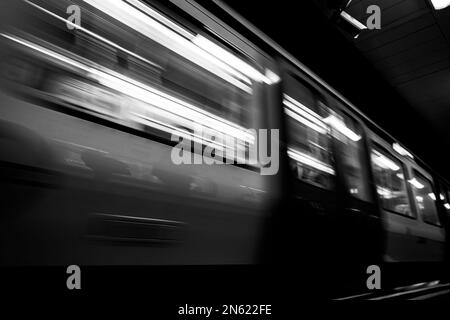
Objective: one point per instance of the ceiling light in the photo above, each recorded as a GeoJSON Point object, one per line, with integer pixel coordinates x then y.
{"type": "Point", "coordinates": [440, 4]}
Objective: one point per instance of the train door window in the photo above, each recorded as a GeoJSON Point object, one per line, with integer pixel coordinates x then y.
{"type": "Point", "coordinates": [390, 182]}
{"type": "Point", "coordinates": [309, 141]}
{"type": "Point", "coordinates": [425, 198]}
{"type": "Point", "coordinates": [351, 153]}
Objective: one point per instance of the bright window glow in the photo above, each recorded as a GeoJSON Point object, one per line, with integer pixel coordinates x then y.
{"type": "Point", "coordinates": [271, 77]}
{"type": "Point", "coordinates": [440, 4]}
{"type": "Point", "coordinates": [432, 196]}
{"type": "Point", "coordinates": [416, 183]}
{"type": "Point", "coordinates": [340, 126]}
{"type": "Point", "coordinates": [310, 161]}
{"type": "Point", "coordinates": [229, 58]}
{"type": "Point", "coordinates": [384, 192]}
{"type": "Point", "coordinates": [447, 206]}
{"type": "Point", "coordinates": [306, 122]}
{"type": "Point", "coordinates": [162, 19]}
{"type": "Point", "coordinates": [180, 43]}
{"type": "Point", "coordinates": [164, 104]}
{"type": "Point", "coordinates": [384, 162]}
{"type": "Point", "coordinates": [303, 114]}
{"type": "Point", "coordinates": [441, 196]}
{"type": "Point", "coordinates": [398, 148]}
{"type": "Point", "coordinates": [419, 198]}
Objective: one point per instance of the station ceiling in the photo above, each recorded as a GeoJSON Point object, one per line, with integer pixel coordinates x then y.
{"type": "Point", "coordinates": [412, 52]}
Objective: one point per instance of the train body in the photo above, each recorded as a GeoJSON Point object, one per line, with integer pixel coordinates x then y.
{"type": "Point", "coordinates": [87, 119]}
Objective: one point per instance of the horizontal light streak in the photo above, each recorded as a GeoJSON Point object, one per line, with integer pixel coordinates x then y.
{"type": "Point", "coordinates": [310, 161]}
{"type": "Point", "coordinates": [315, 121]}
{"type": "Point", "coordinates": [230, 59]}
{"type": "Point", "coordinates": [385, 192]}
{"type": "Point", "coordinates": [416, 183]}
{"type": "Point", "coordinates": [402, 151]}
{"type": "Point", "coordinates": [146, 94]}
{"type": "Point", "coordinates": [303, 114]}
{"type": "Point", "coordinates": [94, 35]}
{"type": "Point", "coordinates": [162, 19]}
{"type": "Point", "coordinates": [340, 126]}
{"type": "Point", "coordinates": [172, 40]}
{"type": "Point", "coordinates": [383, 161]}
{"type": "Point", "coordinates": [305, 121]}
{"type": "Point", "coordinates": [353, 21]}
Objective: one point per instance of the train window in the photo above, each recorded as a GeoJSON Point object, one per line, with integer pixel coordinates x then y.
{"type": "Point", "coordinates": [444, 196]}
{"type": "Point", "coordinates": [447, 198]}
{"type": "Point", "coordinates": [351, 155]}
{"type": "Point", "coordinates": [390, 182]}
{"type": "Point", "coordinates": [309, 141]}
{"type": "Point", "coordinates": [149, 73]}
{"type": "Point", "coordinates": [425, 198]}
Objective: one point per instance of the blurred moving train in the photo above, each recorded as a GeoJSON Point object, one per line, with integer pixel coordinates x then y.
{"type": "Point", "coordinates": [86, 118]}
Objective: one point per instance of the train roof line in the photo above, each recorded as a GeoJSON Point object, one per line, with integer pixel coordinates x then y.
{"type": "Point", "coordinates": [274, 45]}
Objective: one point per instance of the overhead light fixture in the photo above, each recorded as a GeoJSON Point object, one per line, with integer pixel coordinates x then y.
{"type": "Point", "coordinates": [402, 151]}
{"type": "Point", "coordinates": [447, 206]}
{"type": "Point", "coordinates": [432, 196]}
{"type": "Point", "coordinates": [349, 24]}
{"type": "Point", "coordinates": [340, 126]}
{"type": "Point", "coordinates": [440, 4]}
{"type": "Point", "coordinates": [353, 21]}
{"type": "Point", "coordinates": [416, 183]}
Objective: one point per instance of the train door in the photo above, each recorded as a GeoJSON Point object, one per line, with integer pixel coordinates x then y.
{"type": "Point", "coordinates": [312, 175]}
{"type": "Point", "coordinates": [430, 234]}
{"type": "Point", "coordinates": [444, 200]}
{"type": "Point", "coordinates": [359, 219]}
{"type": "Point", "coordinates": [397, 210]}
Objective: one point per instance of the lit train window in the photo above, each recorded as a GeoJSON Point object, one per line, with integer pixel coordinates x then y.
{"type": "Point", "coordinates": [350, 148]}
{"type": "Point", "coordinates": [390, 182]}
{"type": "Point", "coordinates": [447, 198]}
{"type": "Point", "coordinates": [425, 199]}
{"type": "Point", "coordinates": [309, 140]}
{"type": "Point", "coordinates": [134, 65]}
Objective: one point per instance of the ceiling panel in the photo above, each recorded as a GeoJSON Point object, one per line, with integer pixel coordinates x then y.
{"type": "Point", "coordinates": [412, 52]}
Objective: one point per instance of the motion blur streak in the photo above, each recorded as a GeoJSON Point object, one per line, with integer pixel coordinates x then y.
{"type": "Point", "coordinates": [86, 119]}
